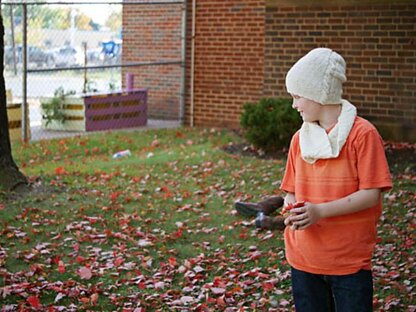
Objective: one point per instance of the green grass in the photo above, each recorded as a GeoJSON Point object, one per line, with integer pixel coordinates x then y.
{"type": "Point", "coordinates": [158, 229]}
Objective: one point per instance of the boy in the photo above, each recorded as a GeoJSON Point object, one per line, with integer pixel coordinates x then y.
{"type": "Point", "coordinates": [337, 166]}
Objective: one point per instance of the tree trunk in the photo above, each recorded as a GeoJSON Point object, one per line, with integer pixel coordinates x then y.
{"type": "Point", "coordinates": [11, 178]}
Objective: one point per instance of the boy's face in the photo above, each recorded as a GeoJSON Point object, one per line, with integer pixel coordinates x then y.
{"type": "Point", "coordinates": [309, 110]}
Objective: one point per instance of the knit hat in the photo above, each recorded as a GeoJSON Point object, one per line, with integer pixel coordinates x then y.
{"type": "Point", "coordinates": [318, 76]}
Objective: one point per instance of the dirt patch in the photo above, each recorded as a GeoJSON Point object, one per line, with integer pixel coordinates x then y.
{"type": "Point", "coordinates": [36, 190]}
{"type": "Point", "coordinates": [245, 149]}
{"type": "Point", "coordinates": [401, 157]}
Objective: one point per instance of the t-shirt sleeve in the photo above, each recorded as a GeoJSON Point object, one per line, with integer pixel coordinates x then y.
{"type": "Point", "coordinates": [373, 169]}
{"type": "Point", "coordinates": [288, 181]}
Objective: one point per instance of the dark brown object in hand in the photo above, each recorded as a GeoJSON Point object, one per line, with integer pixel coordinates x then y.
{"type": "Point", "coordinates": [271, 223]}
{"type": "Point", "coordinates": [267, 206]}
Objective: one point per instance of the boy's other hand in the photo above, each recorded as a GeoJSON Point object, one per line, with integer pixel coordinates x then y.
{"type": "Point", "coordinates": [302, 217]}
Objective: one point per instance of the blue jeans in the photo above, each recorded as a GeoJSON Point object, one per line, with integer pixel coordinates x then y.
{"type": "Point", "coordinates": [325, 293]}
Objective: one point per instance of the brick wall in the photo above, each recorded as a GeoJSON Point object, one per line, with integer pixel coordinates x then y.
{"type": "Point", "coordinates": [152, 33]}
{"type": "Point", "coordinates": [229, 49]}
{"type": "Point", "coordinates": [243, 49]}
{"type": "Point", "coordinates": [378, 42]}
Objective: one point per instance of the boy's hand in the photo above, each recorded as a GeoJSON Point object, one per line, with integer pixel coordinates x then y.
{"type": "Point", "coordinates": [287, 212]}
{"type": "Point", "coordinates": [286, 209]}
{"type": "Point", "coordinates": [302, 217]}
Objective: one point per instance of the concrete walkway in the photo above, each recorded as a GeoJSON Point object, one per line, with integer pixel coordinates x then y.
{"type": "Point", "coordinates": [37, 133]}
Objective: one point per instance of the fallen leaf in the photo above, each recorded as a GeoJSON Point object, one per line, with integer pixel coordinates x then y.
{"type": "Point", "coordinates": [85, 273]}
{"type": "Point", "coordinates": [218, 291]}
{"type": "Point", "coordinates": [187, 299]}
{"type": "Point", "coordinates": [144, 243]}
{"type": "Point", "coordinates": [159, 285]}
{"type": "Point", "coordinates": [119, 261]}
{"type": "Point", "coordinates": [60, 171]}
{"type": "Point", "coordinates": [34, 302]}
{"type": "Point", "coordinates": [59, 297]}
{"type": "Point", "coordinates": [61, 266]}
{"type": "Point", "coordinates": [94, 298]}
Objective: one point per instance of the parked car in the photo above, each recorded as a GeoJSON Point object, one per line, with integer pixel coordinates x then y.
{"type": "Point", "coordinates": [40, 57]}
{"type": "Point", "coordinates": [9, 55]}
{"type": "Point", "coordinates": [93, 57]}
{"type": "Point", "coordinates": [35, 55]}
{"type": "Point", "coordinates": [68, 57]}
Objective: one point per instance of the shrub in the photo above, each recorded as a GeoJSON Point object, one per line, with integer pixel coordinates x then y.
{"type": "Point", "coordinates": [52, 110]}
{"type": "Point", "coordinates": [270, 123]}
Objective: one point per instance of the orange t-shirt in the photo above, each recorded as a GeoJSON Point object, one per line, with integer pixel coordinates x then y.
{"type": "Point", "coordinates": [343, 244]}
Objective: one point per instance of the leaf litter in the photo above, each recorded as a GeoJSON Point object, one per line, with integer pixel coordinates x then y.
{"type": "Point", "coordinates": [165, 236]}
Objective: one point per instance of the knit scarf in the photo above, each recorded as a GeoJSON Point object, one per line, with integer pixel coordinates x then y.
{"type": "Point", "coordinates": [316, 143]}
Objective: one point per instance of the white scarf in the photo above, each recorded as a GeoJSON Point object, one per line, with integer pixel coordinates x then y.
{"type": "Point", "coordinates": [316, 144]}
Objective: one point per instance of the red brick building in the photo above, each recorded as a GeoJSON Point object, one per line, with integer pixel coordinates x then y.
{"type": "Point", "coordinates": [243, 49]}
{"type": "Point", "coordinates": [152, 33]}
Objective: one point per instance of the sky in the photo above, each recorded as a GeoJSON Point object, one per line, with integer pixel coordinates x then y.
{"type": "Point", "coordinates": [98, 12]}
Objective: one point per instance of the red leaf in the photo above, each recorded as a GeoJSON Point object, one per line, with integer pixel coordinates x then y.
{"type": "Point", "coordinates": [119, 261]}
{"type": "Point", "coordinates": [142, 285]}
{"type": "Point", "coordinates": [172, 261]}
{"type": "Point", "coordinates": [178, 233]}
{"type": "Point", "coordinates": [221, 301]}
{"type": "Point", "coordinates": [291, 206]}
{"type": "Point", "coordinates": [94, 298]}
{"type": "Point", "coordinates": [61, 266]}
{"type": "Point", "coordinates": [34, 302]}
{"type": "Point", "coordinates": [60, 171]}
{"type": "Point", "coordinates": [267, 286]}
{"type": "Point", "coordinates": [243, 234]}
{"type": "Point", "coordinates": [236, 289]}
{"type": "Point", "coordinates": [115, 195]}
{"type": "Point", "coordinates": [24, 213]}
{"type": "Point", "coordinates": [85, 273]}
{"type": "Point", "coordinates": [211, 300]}
{"type": "Point", "coordinates": [56, 259]}
{"type": "Point", "coordinates": [79, 259]}
{"type": "Point", "coordinates": [408, 244]}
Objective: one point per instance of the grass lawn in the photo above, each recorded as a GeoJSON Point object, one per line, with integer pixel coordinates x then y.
{"type": "Point", "coordinates": [157, 231]}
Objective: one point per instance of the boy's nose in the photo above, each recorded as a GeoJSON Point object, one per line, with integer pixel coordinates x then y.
{"type": "Point", "coordinates": [294, 104]}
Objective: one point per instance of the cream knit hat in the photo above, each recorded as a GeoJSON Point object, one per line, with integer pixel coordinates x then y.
{"type": "Point", "coordinates": [318, 76]}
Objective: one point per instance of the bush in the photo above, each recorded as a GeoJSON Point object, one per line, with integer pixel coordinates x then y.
{"type": "Point", "coordinates": [52, 110]}
{"type": "Point", "coordinates": [270, 123]}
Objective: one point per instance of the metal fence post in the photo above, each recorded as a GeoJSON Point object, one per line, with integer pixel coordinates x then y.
{"type": "Point", "coordinates": [183, 65]}
{"type": "Point", "coordinates": [13, 39]}
{"type": "Point", "coordinates": [24, 76]}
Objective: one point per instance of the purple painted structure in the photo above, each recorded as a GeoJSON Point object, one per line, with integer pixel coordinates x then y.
{"type": "Point", "coordinates": [116, 110]}
{"type": "Point", "coordinates": [129, 81]}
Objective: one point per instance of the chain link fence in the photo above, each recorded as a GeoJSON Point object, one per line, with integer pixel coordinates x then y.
{"type": "Point", "coordinates": [72, 68]}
